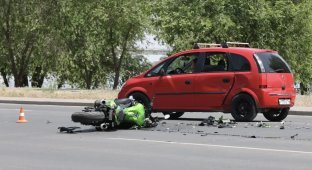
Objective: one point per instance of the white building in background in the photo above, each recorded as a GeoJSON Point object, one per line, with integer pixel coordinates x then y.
{"type": "Point", "coordinates": [150, 48]}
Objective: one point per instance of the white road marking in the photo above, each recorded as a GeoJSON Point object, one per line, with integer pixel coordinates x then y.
{"type": "Point", "coordinates": [210, 145]}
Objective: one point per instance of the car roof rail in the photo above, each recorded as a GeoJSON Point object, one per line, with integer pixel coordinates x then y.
{"type": "Point", "coordinates": [237, 44]}
{"type": "Point", "coordinates": [206, 45]}
{"type": "Point", "coordinates": [223, 45]}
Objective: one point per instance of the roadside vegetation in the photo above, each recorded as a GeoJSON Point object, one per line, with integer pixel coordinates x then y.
{"type": "Point", "coordinates": [89, 43]}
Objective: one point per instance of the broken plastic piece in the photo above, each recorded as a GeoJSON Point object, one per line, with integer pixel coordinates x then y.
{"type": "Point", "coordinates": [68, 129]}
{"type": "Point", "coordinates": [167, 116]}
{"type": "Point", "coordinates": [293, 137]}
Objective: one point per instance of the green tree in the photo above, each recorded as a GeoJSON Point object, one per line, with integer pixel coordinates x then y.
{"type": "Point", "coordinates": [100, 35]}
{"type": "Point", "coordinates": [134, 65]}
{"type": "Point", "coordinates": [22, 25]}
{"type": "Point", "coordinates": [282, 25]}
{"type": "Point", "coordinates": [125, 23]}
{"type": "Point", "coordinates": [82, 33]}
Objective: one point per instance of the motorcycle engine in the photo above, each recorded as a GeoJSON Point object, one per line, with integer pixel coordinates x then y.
{"type": "Point", "coordinates": [99, 105]}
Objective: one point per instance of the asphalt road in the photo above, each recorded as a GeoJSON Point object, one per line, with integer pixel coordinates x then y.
{"type": "Point", "coordinates": [173, 144]}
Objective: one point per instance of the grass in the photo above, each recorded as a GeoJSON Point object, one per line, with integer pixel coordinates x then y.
{"type": "Point", "coordinates": [305, 101]}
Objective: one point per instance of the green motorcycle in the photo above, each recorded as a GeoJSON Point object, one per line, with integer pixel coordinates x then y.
{"type": "Point", "coordinates": [111, 114]}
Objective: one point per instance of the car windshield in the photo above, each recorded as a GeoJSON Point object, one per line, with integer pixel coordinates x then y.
{"type": "Point", "coordinates": [271, 63]}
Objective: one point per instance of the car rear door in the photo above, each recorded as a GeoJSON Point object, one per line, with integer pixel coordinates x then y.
{"type": "Point", "coordinates": [213, 83]}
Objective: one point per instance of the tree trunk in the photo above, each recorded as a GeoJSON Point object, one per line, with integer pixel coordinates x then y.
{"type": "Point", "coordinates": [25, 81]}
{"type": "Point", "coordinates": [116, 78]}
{"type": "Point", "coordinates": [88, 82]}
{"type": "Point", "coordinates": [303, 89]}
{"type": "Point", "coordinates": [37, 77]}
{"type": "Point", "coordinates": [5, 79]}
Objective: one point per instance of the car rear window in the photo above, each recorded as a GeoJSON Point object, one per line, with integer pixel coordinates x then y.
{"type": "Point", "coordinates": [269, 62]}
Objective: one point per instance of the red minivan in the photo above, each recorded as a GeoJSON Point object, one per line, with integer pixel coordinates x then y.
{"type": "Point", "coordinates": [239, 80]}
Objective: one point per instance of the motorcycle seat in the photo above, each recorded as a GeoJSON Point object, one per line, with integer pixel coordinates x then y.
{"type": "Point", "coordinates": [125, 102]}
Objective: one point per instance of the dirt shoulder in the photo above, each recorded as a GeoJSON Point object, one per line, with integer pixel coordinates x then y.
{"type": "Point", "coordinates": [58, 94]}
{"type": "Point", "coordinates": [302, 101]}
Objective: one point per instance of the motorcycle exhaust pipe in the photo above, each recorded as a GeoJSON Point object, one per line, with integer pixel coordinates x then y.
{"type": "Point", "coordinates": [104, 126]}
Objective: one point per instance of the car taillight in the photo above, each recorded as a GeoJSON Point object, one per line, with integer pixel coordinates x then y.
{"type": "Point", "coordinates": [263, 86]}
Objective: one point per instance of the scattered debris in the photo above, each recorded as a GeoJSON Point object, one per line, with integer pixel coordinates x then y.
{"type": "Point", "coordinates": [163, 123]}
{"type": "Point", "coordinates": [209, 122]}
{"type": "Point", "coordinates": [220, 120]}
{"type": "Point", "coordinates": [282, 125]}
{"type": "Point", "coordinates": [148, 123]}
{"type": "Point", "coordinates": [220, 123]}
{"type": "Point", "coordinates": [253, 136]}
{"type": "Point", "coordinates": [167, 116]}
{"type": "Point", "coordinates": [261, 124]}
{"type": "Point", "coordinates": [68, 129]}
{"type": "Point", "coordinates": [48, 122]}
{"type": "Point", "coordinates": [293, 137]}
{"type": "Point", "coordinates": [225, 125]}
{"type": "Point", "coordinates": [154, 119]}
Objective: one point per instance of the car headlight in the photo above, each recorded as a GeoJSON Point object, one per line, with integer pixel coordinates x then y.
{"type": "Point", "coordinates": [123, 85]}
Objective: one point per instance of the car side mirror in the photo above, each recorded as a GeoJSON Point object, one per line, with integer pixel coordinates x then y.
{"type": "Point", "coordinates": [162, 72]}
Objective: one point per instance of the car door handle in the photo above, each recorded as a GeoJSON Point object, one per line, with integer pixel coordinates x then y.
{"type": "Point", "coordinates": [187, 82]}
{"type": "Point", "coordinates": [226, 80]}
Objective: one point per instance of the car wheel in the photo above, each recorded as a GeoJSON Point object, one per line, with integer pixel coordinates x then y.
{"type": "Point", "coordinates": [174, 115]}
{"type": "Point", "coordinates": [276, 114]}
{"type": "Point", "coordinates": [143, 99]}
{"type": "Point", "coordinates": [243, 108]}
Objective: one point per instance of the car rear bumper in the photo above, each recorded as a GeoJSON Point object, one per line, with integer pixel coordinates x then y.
{"type": "Point", "coordinates": [271, 99]}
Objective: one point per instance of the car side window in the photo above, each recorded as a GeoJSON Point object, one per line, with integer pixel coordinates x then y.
{"type": "Point", "coordinates": [239, 63]}
{"type": "Point", "coordinates": [184, 64]}
{"type": "Point", "coordinates": [215, 62]}
{"type": "Point", "coordinates": [155, 71]}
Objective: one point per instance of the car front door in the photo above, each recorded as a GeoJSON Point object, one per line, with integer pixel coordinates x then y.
{"type": "Point", "coordinates": [174, 89]}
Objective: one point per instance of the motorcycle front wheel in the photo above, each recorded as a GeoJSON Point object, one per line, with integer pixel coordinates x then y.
{"type": "Point", "coordinates": [88, 118]}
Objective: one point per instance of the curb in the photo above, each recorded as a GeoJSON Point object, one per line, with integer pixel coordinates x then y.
{"type": "Point", "coordinates": [61, 103]}
{"type": "Point", "coordinates": [300, 113]}
{"type": "Point", "coordinates": [47, 103]}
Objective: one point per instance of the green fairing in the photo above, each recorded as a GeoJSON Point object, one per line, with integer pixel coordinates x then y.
{"type": "Point", "coordinates": [110, 104]}
{"type": "Point", "coordinates": [135, 114]}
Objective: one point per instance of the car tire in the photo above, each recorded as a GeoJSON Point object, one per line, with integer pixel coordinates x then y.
{"type": "Point", "coordinates": [174, 115]}
{"type": "Point", "coordinates": [88, 118]}
{"type": "Point", "coordinates": [276, 115]}
{"type": "Point", "coordinates": [243, 108]}
{"type": "Point", "coordinates": [144, 100]}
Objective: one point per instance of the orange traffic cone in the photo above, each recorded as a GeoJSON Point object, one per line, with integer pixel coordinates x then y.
{"type": "Point", "coordinates": [21, 118]}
